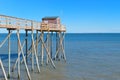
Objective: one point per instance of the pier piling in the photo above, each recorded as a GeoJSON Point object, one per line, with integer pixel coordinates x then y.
{"type": "Point", "coordinates": [9, 60]}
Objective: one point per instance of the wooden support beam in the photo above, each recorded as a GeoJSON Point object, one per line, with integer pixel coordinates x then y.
{"type": "Point", "coordinates": [37, 42]}
{"type": "Point", "coordinates": [36, 57]}
{"type": "Point", "coordinates": [18, 60]}
{"type": "Point", "coordinates": [51, 45]}
{"type": "Point", "coordinates": [34, 48]}
{"type": "Point", "coordinates": [61, 46]}
{"type": "Point", "coordinates": [5, 39]}
{"type": "Point", "coordinates": [3, 70]}
{"type": "Point", "coordinates": [30, 49]}
{"type": "Point", "coordinates": [57, 47]}
{"type": "Point", "coordinates": [47, 52]}
{"type": "Point", "coordinates": [32, 54]}
{"type": "Point", "coordinates": [29, 77]}
{"type": "Point", "coordinates": [9, 50]}
{"type": "Point", "coordinates": [26, 40]}
{"type": "Point", "coordinates": [42, 48]}
{"type": "Point", "coordinates": [14, 66]}
{"type": "Point", "coordinates": [48, 46]}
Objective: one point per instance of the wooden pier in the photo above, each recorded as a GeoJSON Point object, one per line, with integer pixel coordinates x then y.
{"type": "Point", "coordinates": [49, 25]}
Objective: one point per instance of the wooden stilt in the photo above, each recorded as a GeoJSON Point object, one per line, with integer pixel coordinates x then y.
{"type": "Point", "coordinates": [63, 42]}
{"type": "Point", "coordinates": [18, 60]}
{"type": "Point", "coordinates": [37, 42]}
{"type": "Point", "coordinates": [57, 47]}
{"type": "Point", "coordinates": [48, 53]}
{"type": "Point", "coordinates": [9, 55]}
{"type": "Point", "coordinates": [51, 45]}
{"type": "Point", "coordinates": [26, 40]}
{"type": "Point", "coordinates": [30, 49]}
{"type": "Point", "coordinates": [42, 48]}
{"type": "Point", "coordinates": [13, 68]}
{"type": "Point", "coordinates": [48, 48]}
{"type": "Point", "coordinates": [34, 49]}
{"type": "Point", "coordinates": [3, 70]}
{"type": "Point", "coordinates": [61, 47]}
{"type": "Point", "coordinates": [36, 57]}
{"type": "Point", "coordinates": [56, 44]}
{"type": "Point", "coordinates": [5, 39]}
{"type": "Point", "coordinates": [32, 54]}
{"type": "Point", "coordinates": [29, 77]}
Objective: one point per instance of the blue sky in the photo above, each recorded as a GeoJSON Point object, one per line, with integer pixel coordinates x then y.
{"type": "Point", "coordinates": [79, 16]}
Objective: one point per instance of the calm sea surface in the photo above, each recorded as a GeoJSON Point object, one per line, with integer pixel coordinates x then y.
{"type": "Point", "coordinates": [89, 57]}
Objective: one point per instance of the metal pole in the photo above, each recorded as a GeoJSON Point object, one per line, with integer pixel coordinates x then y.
{"type": "Point", "coordinates": [9, 55]}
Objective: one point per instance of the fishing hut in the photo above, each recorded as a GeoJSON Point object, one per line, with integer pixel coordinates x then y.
{"type": "Point", "coordinates": [49, 25]}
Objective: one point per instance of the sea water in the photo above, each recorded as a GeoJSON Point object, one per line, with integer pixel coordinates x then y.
{"type": "Point", "coordinates": [90, 56]}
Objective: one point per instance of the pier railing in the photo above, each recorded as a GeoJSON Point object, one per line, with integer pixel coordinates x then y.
{"type": "Point", "coordinates": [52, 27]}
{"type": "Point", "coordinates": [18, 23]}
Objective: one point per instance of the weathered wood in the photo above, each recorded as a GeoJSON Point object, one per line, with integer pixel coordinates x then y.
{"type": "Point", "coordinates": [42, 48]}
{"type": "Point", "coordinates": [32, 54]}
{"type": "Point", "coordinates": [57, 46]}
{"type": "Point", "coordinates": [18, 60]}
{"type": "Point", "coordinates": [26, 40]}
{"type": "Point", "coordinates": [29, 77]}
{"type": "Point", "coordinates": [14, 66]}
{"type": "Point", "coordinates": [48, 47]}
{"type": "Point", "coordinates": [61, 46]}
{"type": "Point", "coordinates": [47, 53]}
{"type": "Point", "coordinates": [36, 43]}
{"type": "Point", "coordinates": [51, 45]}
{"type": "Point", "coordinates": [5, 39]}
{"type": "Point", "coordinates": [9, 58]}
{"type": "Point", "coordinates": [15, 23]}
{"type": "Point", "coordinates": [36, 57]}
{"type": "Point", "coordinates": [3, 70]}
{"type": "Point", "coordinates": [30, 48]}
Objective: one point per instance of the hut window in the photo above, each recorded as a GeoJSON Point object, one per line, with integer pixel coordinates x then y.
{"type": "Point", "coordinates": [45, 21]}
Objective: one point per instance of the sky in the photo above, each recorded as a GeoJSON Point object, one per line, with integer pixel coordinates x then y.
{"type": "Point", "coordinates": [79, 16]}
